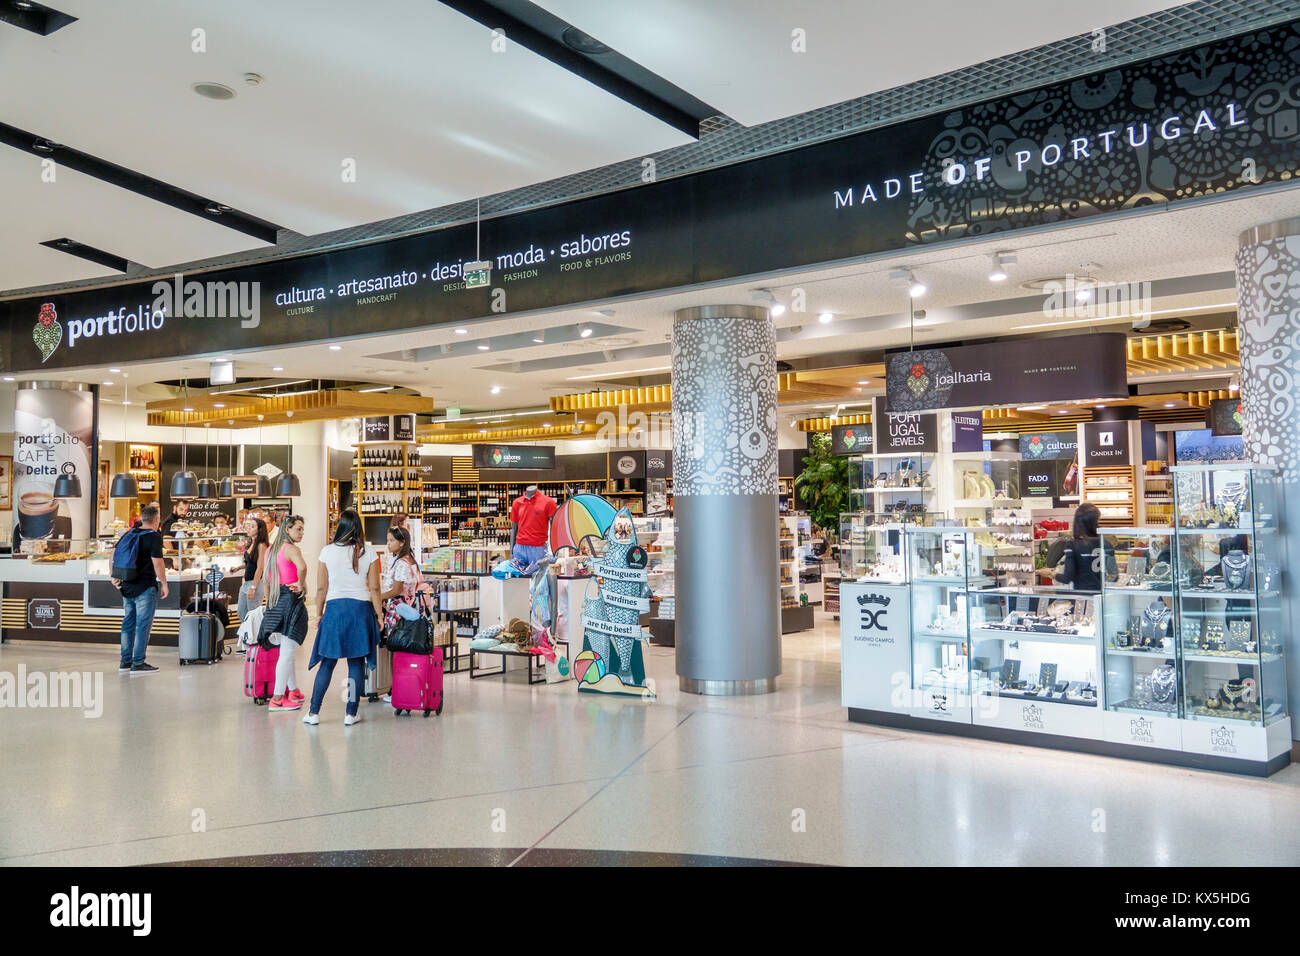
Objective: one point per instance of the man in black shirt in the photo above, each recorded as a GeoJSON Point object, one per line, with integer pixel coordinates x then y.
{"type": "Point", "coordinates": [140, 595]}
{"type": "Point", "coordinates": [179, 509]}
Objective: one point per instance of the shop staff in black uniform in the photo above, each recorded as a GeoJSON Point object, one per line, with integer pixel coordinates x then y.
{"type": "Point", "coordinates": [179, 510]}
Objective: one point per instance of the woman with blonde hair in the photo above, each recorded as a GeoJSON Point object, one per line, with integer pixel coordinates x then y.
{"type": "Point", "coordinates": [287, 615]}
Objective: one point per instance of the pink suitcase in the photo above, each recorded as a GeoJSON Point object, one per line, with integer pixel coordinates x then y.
{"type": "Point", "coordinates": [417, 682]}
{"type": "Point", "coordinates": [259, 673]}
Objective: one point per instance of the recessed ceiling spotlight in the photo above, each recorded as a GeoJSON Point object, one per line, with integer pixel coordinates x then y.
{"type": "Point", "coordinates": [43, 146]}
{"type": "Point", "coordinates": [546, 424]}
{"type": "Point", "coordinates": [540, 337]}
{"type": "Point", "coordinates": [584, 331]}
{"type": "Point", "coordinates": [108, 382]}
{"type": "Point", "coordinates": [336, 348]}
{"type": "Point", "coordinates": [483, 347]}
{"type": "Point", "coordinates": [775, 308]}
{"type": "Point", "coordinates": [187, 409]}
{"type": "Point", "coordinates": [1170, 404]}
{"type": "Point", "coordinates": [9, 378]}
{"type": "Point", "coordinates": [115, 370]}
{"type": "Point", "coordinates": [865, 381]}
{"type": "Point", "coordinates": [277, 368]}
{"type": "Point", "coordinates": [825, 318]}
{"type": "Point", "coordinates": [496, 389]}
{"type": "Point", "coordinates": [218, 405]}
{"type": "Point", "coordinates": [216, 209]}
{"type": "Point", "coordinates": [461, 331]}
{"type": "Point", "coordinates": [213, 91]}
{"type": "Point", "coordinates": [1100, 405]}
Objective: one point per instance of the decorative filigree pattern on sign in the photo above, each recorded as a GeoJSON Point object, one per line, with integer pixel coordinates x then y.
{"type": "Point", "coordinates": [724, 407]}
{"type": "Point", "coordinates": [1268, 299]}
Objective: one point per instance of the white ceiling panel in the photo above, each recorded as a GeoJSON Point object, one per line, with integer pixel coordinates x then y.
{"type": "Point", "coordinates": [410, 91]}
{"type": "Point", "coordinates": [95, 213]}
{"type": "Point", "coordinates": [737, 55]}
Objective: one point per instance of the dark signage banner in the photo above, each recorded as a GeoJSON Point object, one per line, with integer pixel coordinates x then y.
{"type": "Point", "coordinates": [1225, 416]}
{"type": "Point", "coordinates": [1008, 373]}
{"type": "Point", "coordinates": [627, 464]}
{"type": "Point", "coordinates": [378, 428]}
{"type": "Point", "coordinates": [1106, 443]}
{"type": "Point", "coordinates": [1036, 445]}
{"type": "Point", "coordinates": [514, 456]}
{"type": "Point", "coordinates": [659, 463]}
{"type": "Point", "coordinates": [403, 428]}
{"type": "Point", "coordinates": [244, 486]}
{"type": "Point", "coordinates": [897, 432]}
{"type": "Point", "coordinates": [851, 439]}
{"type": "Point", "coordinates": [967, 432]}
{"type": "Point", "coordinates": [1139, 136]}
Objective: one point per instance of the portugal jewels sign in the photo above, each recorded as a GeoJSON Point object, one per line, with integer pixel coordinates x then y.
{"type": "Point", "coordinates": [1008, 373]}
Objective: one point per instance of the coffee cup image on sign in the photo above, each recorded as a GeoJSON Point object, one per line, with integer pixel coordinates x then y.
{"type": "Point", "coordinates": [37, 512]}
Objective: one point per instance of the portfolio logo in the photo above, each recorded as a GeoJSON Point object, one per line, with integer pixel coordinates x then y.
{"type": "Point", "coordinates": [918, 380]}
{"type": "Point", "coordinates": [47, 333]}
{"type": "Point", "coordinates": [1035, 448]}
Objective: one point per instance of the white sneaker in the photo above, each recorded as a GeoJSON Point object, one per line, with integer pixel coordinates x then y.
{"type": "Point", "coordinates": [351, 719]}
{"type": "Point", "coordinates": [388, 698]}
{"type": "Point", "coordinates": [311, 719]}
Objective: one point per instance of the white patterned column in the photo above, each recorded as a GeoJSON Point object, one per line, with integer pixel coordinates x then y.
{"type": "Point", "coordinates": [1268, 315]}
{"type": "Point", "coordinates": [725, 500]}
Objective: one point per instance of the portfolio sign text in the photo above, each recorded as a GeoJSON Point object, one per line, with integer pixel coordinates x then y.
{"type": "Point", "coordinates": [1175, 128]}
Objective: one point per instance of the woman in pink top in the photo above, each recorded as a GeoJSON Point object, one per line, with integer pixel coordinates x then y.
{"type": "Point", "coordinates": [285, 572]}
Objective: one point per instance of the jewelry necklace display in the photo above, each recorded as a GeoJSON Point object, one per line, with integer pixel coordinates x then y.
{"type": "Point", "coordinates": [1164, 684]}
{"type": "Point", "coordinates": [1231, 501]}
{"type": "Point", "coordinates": [1236, 569]}
{"type": "Point", "coordinates": [1155, 621]}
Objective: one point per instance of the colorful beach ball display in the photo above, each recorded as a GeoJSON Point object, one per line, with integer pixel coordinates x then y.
{"type": "Point", "coordinates": [588, 667]}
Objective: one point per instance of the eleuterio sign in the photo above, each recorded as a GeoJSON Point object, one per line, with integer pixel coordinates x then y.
{"type": "Point", "coordinates": [1008, 373]}
{"type": "Point", "coordinates": [514, 456]}
{"type": "Point", "coordinates": [1197, 123]}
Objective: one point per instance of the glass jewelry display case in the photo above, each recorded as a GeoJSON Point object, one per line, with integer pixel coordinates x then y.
{"type": "Point", "coordinates": [940, 561]}
{"type": "Point", "coordinates": [892, 488]}
{"type": "Point", "coordinates": [870, 551]}
{"type": "Point", "coordinates": [1228, 593]}
{"type": "Point", "coordinates": [1138, 632]}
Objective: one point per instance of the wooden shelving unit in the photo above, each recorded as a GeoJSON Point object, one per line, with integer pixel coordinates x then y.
{"type": "Point", "coordinates": [143, 462]}
{"type": "Point", "coordinates": [1113, 489]}
{"type": "Point", "coordinates": [387, 479]}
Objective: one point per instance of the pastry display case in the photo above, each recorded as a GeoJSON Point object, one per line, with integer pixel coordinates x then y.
{"type": "Point", "coordinates": [1227, 586]}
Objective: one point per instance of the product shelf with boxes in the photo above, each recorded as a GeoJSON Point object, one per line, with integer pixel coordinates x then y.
{"type": "Point", "coordinates": [1114, 490]}
{"type": "Point", "coordinates": [983, 481]}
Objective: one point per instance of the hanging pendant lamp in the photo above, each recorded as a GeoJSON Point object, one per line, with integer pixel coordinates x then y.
{"type": "Point", "coordinates": [185, 484]}
{"type": "Point", "coordinates": [124, 484]}
{"type": "Point", "coordinates": [288, 486]}
{"type": "Point", "coordinates": [264, 489]}
{"type": "Point", "coordinates": [226, 489]}
{"type": "Point", "coordinates": [207, 487]}
{"type": "Point", "coordinates": [67, 485]}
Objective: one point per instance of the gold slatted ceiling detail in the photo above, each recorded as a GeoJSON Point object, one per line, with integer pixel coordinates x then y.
{"type": "Point", "coordinates": [1184, 352]}
{"type": "Point", "coordinates": [824, 424]}
{"type": "Point", "coordinates": [646, 398]}
{"type": "Point", "coordinates": [462, 468]}
{"type": "Point", "coordinates": [522, 433]}
{"type": "Point", "coordinates": [318, 406]}
{"type": "Point", "coordinates": [1203, 399]}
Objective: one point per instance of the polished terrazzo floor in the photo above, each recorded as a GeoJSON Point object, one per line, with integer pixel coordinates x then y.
{"type": "Point", "coordinates": [181, 766]}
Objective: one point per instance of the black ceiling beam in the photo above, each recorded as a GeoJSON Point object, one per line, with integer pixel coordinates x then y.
{"type": "Point", "coordinates": [34, 17]}
{"type": "Point", "coordinates": [542, 32]}
{"type": "Point", "coordinates": [139, 183]}
{"type": "Point", "coordinates": [89, 253]}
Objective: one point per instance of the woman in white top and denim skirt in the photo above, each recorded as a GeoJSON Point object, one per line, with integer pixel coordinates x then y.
{"type": "Point", "coordinates": [349, 611]}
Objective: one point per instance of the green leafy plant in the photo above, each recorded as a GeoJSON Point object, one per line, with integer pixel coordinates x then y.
{"type": "Point", "coordinates": [823, 484]}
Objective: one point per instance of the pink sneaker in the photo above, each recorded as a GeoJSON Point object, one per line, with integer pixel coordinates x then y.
{"type": "Point", "coordinates": [284, 703]}
{"type": "Point", "coordinates": [297, 695]}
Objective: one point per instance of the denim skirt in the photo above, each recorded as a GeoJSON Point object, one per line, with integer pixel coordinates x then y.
{"type": "Point", "coordinates": [347, 628]}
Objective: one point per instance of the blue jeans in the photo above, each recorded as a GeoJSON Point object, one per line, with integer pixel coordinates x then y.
{"type": "Point", "coordinates": [325, 673]}
{"type": "Point", "coordinates": [137, 619]}
{"type": "Point", "coordinates": [528, 553]}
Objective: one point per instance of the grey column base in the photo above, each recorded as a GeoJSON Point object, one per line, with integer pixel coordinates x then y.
{"type": "Point", "coordinates": [727, 688]}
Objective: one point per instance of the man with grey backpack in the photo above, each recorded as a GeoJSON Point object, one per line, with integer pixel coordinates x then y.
{"type": "Point", "coordinates": [138, 572]}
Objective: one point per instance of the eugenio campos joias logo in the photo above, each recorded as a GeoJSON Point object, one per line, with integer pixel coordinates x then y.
{"type": "Point", "coordinates": [179, 299]}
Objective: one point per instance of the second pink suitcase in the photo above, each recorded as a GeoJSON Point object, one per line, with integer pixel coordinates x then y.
{"type": "Point", "coordinates": [417, 682]}
{"type": "Point", "coordinates": [259, 673]}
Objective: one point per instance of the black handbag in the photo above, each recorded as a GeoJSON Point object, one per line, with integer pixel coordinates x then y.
{"type": "Point", "coordinates": [411, 637]}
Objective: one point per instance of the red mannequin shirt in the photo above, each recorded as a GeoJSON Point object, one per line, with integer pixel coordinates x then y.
{"type": "Point", "coordinates": [533, 516]}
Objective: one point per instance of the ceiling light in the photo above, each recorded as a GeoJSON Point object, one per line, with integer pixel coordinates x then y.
{"type": "Point", "coordinates": [998, 272]}
{"type": "Point", "coordinates": [584, 331]}
{"type": "Point", "coordinates": [775, 308]}
{"type": "Point", "coordinates": [915, 287]}
{"type": "Point", "coordinates": [108, 383]}
{"type": "Point", "coordinates": [638, 371]}
{"type": "Point", "coordinates": [377, 388]}
{"type": "Point", "coordinates": [462, 331]}
{"type": "Point", "coordinates": [546, 424]}
{"type": "Point", "coordinates": [1233, 387]}
{"type": "Point", "coordinates": [43, 146]}
{"type": "Point", "coordinates": [825, 318]}
{"type": "Point", "coordinates": [1100, 405]}
{"type": "Point", "coordinates": [1170, 404]}
{"type": "Point", "coordinates": [115, 370]}
{"type": "Point", "coordinates": [865, 381]}
{"type": "Point", "coordinates": [187, 409]}
{"type": "Point", "coordinates": [496, 389]}
{"type": "Point", "coordinates": [336, 348]}
{"type": "Point", "coordinates": [213, 91]}
{"type": "Point", "coordinates": [218, 405]}
{"type": "Point", "coordinates": [482, 431]}
{"type": "Point", "coordinates": [484, 347]}
{"type": "Point", "coordinates": [277, 368]}
{"type": "Point", "coordinates": [9, 378]}
{"type": "Point", "coordinates": [1064, 411]}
